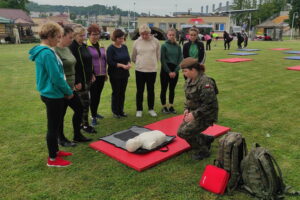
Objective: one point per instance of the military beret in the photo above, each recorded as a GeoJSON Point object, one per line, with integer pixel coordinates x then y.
{"type": "Point", "coordinates": [187, 62]}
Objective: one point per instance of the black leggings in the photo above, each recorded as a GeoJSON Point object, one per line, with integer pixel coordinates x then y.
{"type": "Point", "coordinates": [208, 44]}
{"type": "Point", "coordinates": [95, 91]}
{"type": "Point", "coordinates": [118, 86]}
{"type": "Point", "coordinates": [166, 81]}
{"type": "Point", "coordinates": [54, 109]}
{"type": "Point", "coordinates": [227, 44]}
{"type": "Point", "coordinates": [142, 79]}
{"type": "Point", "coordinates": [76, 106]}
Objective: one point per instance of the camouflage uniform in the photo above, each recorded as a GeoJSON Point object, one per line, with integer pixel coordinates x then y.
{"type": "Point", "coordinates": [201, 101]}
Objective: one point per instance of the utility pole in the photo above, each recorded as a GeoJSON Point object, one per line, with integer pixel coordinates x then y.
{"type": "Point", "coordinates": [134, 15]}
{"type": "Point", "coordinates": [295, 15]}
{"type": "Point", "coordinates": [128, 21]}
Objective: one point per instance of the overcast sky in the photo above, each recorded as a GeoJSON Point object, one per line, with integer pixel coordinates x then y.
{"type": "Point", "coordinates": [160, 7]}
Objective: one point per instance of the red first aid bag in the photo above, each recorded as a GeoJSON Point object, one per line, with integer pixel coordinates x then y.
{"type": "Point", "coordinates": [214, 179]}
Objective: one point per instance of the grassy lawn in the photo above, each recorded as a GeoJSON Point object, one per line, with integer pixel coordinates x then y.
{"type": "Point", "coordinates": [257, 98]}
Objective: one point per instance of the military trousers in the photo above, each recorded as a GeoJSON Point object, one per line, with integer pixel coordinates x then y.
{"type": "Point", "coordinates": [191, 132]}
{"type": "Point", "coordinates": [85, 99]}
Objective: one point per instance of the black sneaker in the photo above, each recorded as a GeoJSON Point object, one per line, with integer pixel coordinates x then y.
{"type": "Point", "coordinates": [81, 138]}
{"type": "Point", "coordinates": [201, 155]}
{"type": "Point", "coordinates": [123, 115]}
{"type": "Point", "coordinates": [116, 116]}
{"type": "Point", "coordinates": [172, 110]}
{"type": "Point", "coordinates": [66, 143]}
{"type": "Point", "coordinates": [165, 110]}
{"type": "Point", "coordinates": [98, 116]}
{"type": "Point", "coordinates": [89, 129]}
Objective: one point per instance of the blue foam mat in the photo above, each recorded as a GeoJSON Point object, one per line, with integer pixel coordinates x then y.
{"type": "Point", "coordinates": [292, 52]}
{"type": "Point", "coordinates": [248, 49]}
{"type": "Point", "coordinates": [242, 53]}
{"type": "Point", "coordinates": [293, 58]}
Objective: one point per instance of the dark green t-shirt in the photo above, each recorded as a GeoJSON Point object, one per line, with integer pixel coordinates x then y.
{"type": "Point", "coordinates": [69, 62]}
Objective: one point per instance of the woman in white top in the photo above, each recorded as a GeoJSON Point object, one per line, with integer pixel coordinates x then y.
{"type": "Point", "coordinates": [145, 55]}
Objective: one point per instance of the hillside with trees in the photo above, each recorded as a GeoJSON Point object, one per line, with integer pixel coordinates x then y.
{"type": "Point", "coordinates": [79, 10]}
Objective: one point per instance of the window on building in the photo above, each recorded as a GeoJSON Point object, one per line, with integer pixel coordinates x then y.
{"type": "Point", "coordinates": [151, 24]}
{"type": "Point", "coordinates": [219, 27]}
{"type": "Point", "coordinates": [172, 25]}
{"type": "Point", "coordinates": [163, 26]}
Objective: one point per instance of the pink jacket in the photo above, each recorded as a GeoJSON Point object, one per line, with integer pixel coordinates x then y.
{"type": "Point", "coordinates": [207, 37]}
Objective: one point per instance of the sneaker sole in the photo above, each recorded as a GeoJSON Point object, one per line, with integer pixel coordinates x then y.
{"type": "Point", "coordinates": [58, 165]}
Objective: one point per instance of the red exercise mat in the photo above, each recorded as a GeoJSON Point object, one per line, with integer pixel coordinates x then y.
{"type": "Point", "coordinates": [142, 162]}
{"type": "Point", "coordinates": [296, 68]}
{"type": "Point", "coordinates": [234, 60]}
{"type": "Point", "coordinates": [281, 49]}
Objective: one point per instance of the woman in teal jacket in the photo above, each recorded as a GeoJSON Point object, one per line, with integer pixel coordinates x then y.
{"type": "Point", "coordinates": [53, 88]}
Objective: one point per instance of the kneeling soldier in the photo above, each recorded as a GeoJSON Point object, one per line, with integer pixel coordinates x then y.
{"type": "Point", "coordinates": [201, 107]}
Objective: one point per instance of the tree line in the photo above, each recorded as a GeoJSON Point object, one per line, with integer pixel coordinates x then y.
{"type": "Point", "coordinates": [265, 10]}
{"type": "Point", "coordinates": [79, 10]}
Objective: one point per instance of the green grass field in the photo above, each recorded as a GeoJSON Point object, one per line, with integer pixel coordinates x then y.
{"type": "Point", "coordinates": [257, 98]}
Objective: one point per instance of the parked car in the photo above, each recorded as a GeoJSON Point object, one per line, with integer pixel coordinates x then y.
{"type": "Point", "coordinates": [105, 35]}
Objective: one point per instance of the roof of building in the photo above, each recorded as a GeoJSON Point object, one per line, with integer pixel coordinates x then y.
{"type": "Point", "coordinates": [270, 24]}
{"type": "Point", "coordinates": [14, 14]}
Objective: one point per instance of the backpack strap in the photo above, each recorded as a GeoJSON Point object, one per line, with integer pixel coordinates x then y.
{"type": "Point", "coordinates": [285, 188]}
{"type": "Point", "coordinates": [164, 150]}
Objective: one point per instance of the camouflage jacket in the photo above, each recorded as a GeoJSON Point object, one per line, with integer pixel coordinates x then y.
{"type": "Point", "coordinates": [201, 99]}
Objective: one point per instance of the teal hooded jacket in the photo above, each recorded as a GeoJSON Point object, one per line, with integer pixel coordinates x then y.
{"type": "Point", "coordinates": [50, 77]}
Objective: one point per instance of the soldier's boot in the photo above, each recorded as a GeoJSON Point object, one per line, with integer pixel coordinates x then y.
{"type": "Point", "coordinates": [193, 142]}
{"type": "Point", "coordinates": [208, 140]}
{"type": "Point", "coordinates": [204, 143]}
{"type": "Point", "coordinates": [201, 155]}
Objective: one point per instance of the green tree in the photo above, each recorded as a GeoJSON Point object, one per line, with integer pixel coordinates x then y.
{"type": "Point", "coordinates": [266, 9]}
{"type": "Point", "coordinates": [18, 4]}
{"type": "Point", "coordinates": [295, 8]}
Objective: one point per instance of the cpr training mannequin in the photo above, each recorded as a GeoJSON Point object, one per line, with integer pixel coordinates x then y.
{"type": "Point", "coordinates": [147, 140]}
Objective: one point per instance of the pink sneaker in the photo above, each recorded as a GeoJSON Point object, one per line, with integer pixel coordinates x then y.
{"type": "Point", "coordinates": [63, 153]}
{"type": "Point", "coordinates": [58, 162]}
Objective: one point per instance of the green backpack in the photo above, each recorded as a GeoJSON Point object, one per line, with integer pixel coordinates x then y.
{"type": "Point", "coordinates": [261, 174]}
{"type": "Point", "coordinates": [232, 150]}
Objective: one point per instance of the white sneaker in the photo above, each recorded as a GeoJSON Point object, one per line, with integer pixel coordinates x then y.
{"type": "Point", "coordinates": [139, 113]}
{"type": "Point", "coordinates": [152, 113]}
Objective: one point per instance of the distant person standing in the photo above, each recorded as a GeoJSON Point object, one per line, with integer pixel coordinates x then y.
{"type": "Point", "coordinates": [207, 38]}
{"type": "Point", "coordinates": [181, 38]}
{"type": "Point", "coordinates": [245, 36]}
{"type": "Point", "coordinates": [240, 40]}
{"type": "Point", "coordinates": [118, 60]}
{"type": "Point", "coordinates": [17, 35]}
{"type": "Point", "coordinates": [98, 54]}
{"type": "Point", "coordinates": [194, 48]}
{"type": "Point", "coordinates": [145, 55]}
{"type": "Point", "coordinates": [227, 39]}
{"type": "Point", "coordinates": [84, 74]}
{"type": "Point", "coordinates": [53, 88]}
{"type": "Point", "coordinates": [215, 37]}
{"type": "Point", "coordinates": [171, 56]}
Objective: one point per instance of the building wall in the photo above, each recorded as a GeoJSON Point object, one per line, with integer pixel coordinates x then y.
{"type": "Point", "coordinates": [220, 22]}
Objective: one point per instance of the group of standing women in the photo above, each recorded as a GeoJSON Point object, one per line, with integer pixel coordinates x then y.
{"type": "Point", "coordinates": [72, 73]}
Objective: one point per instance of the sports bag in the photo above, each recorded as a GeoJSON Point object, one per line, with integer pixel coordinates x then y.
{"type": "Point", "coordinates": [232, 150]}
